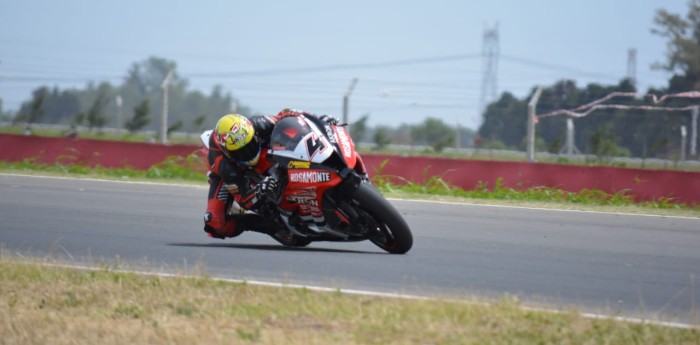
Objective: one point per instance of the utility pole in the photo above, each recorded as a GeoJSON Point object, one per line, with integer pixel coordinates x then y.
{"type": "Point", "coordinates": [457, 134]}
{"type": "Point", "coordinates": [683, 140]}
{"type": "Point", "coordinates": [489, 80]}
{"type": "Point", "coordinates": [346, 99]}
{"type": "Point", "coordinates": [694, 133]}
{"type": "Point", "coordinates": [570, 147]}
{"type": "Point", "coordinates": [531, 108]}
{"type": "Point", "coordinates": [632, 66]}
{"type": "Point", "coordinates": [164, 108]}
{"type": "Point", "coordinates": [120, 120]}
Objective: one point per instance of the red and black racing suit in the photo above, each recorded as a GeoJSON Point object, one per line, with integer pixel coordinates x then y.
{"type": "Point", "coordinates": [228, 178]}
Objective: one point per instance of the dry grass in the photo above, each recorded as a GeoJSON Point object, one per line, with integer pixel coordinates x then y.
{"type": "Point", "coordinates": [49, 305]}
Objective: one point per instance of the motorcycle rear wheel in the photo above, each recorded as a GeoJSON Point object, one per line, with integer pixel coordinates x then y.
{"type": "Point", "coordinates": [392, 232]}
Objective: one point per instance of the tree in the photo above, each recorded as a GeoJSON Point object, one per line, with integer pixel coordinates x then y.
{"type": "Point", "coordinates": [435, 133]}
{"type": "Point", "coordinates": [4, 116]}
{"type": "Point", "coordinates": [175, 127]}
{"type": "Point", "coordinates": [683, 55]}
{"type": "Point", "coordinates": [142, 82]}
{"type": "Point", "coordinates": [382, 137]}
{"type": "Point", "coordinates": [198, 122]}
{"type": "Point", "coordinates": [505, 121]}
{"type": "Point", "coordinates": [141, 117]}
{"type": "Point", "coordinates": [34, 110]}
{"type": "Point", "coordinates": [603, 144]}
{"type": "Point", "coordinates": [358, 128]}
{"type": "Point", "coordinates": [78, 120]}
{"type": "Point", "coordinates": [59, 106]}
{"type": "Point", "coordinates": [95, 116]}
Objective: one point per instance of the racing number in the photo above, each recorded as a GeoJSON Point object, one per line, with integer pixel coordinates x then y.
{"type": "Point", "coordinates": [314, 146]}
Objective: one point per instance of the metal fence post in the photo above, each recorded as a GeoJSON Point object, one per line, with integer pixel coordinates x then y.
{"type": "Point", "coordinates": [531, 124]}
{"type": "Point", "coordinates": [694, 133]}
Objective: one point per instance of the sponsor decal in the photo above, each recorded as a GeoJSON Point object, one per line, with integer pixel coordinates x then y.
{"type": "Point", "coordinates": [302, 201]}
{"type": "Point", "coordinates": [310, 177]}
{"type": "Point", "coordinates": [345, 142]}
{"type": "Point", "coordinates": [302, 192]}
{"type": "Point", "coordinates": [239, 137]}
{"type": "Point", "coordinates": [236, 132]}
{"type": "Point", "coordinates": [312, 210]}
{"type": "Point", "coordinates": [329, 134]}
{"type": "Point", "coordinates": [298, 165]}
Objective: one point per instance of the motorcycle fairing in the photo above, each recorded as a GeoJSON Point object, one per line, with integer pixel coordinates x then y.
{"type": "Point", "coordinates": [299, 140]}
{"type": "Point", "coordinates": [304, 192]}
{"type": "Point", "coordinates": [345, 145]}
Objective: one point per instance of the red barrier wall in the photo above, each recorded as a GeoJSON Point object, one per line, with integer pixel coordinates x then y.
{"type": "Point", "coordinates": [644, 184]}
{"type": "Point", "coordinates": [111, 154]}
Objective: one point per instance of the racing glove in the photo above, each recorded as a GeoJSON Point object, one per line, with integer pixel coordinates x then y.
{"type": "Point", "coordinates": [331, 120]}
{"type": "Point", "coordinates": [252, 199]}
{"type": "Point", "coordinates": [267, 185]}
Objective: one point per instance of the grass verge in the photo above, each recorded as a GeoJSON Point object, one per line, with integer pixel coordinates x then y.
{"type": "Point", "coordinates": [40, 304]}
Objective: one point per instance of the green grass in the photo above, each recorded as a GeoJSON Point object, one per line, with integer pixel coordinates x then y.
{"type": "Point", "coordinates": [41, 304]}
{"type": "Point", "coordinates": [437, 186]}
{"type": "Point", "coordinates": [174, 169]}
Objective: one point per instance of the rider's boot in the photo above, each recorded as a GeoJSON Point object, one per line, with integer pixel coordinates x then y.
{"type": "Point", "coordinates": [257, 223]}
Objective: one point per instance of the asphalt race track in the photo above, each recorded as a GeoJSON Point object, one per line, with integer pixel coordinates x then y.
{"type": "Point", "coordinates": [612, 264]}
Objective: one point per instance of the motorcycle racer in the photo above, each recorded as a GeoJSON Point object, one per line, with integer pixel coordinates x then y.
{"type": "Point", "coordinates": [237, 167]}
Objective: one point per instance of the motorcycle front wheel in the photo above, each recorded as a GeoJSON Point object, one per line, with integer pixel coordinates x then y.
{"type": "Point", "coordinates": [387, 228]}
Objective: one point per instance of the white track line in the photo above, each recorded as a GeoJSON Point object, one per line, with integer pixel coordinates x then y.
{"type": "Point", "coordinates": [395, 199]}
{"type": "Point", "coordinates": [549, 209]}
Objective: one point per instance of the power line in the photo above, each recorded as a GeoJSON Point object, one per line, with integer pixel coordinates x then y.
{"type": "Point", "coordinates": [340, 66]}
{"type": "Point", "coordinates": [551, 66]}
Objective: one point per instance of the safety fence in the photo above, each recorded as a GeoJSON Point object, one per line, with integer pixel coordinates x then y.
{"type": "Point", "coordinates": [644, 184]}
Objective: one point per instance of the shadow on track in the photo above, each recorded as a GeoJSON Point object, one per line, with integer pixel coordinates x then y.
{"type": "Point", "coordinates": [271, 247]}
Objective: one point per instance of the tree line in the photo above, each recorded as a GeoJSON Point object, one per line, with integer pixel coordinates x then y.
{"type": "Point", "coordinates": [610, 132]}
{"type": "Point", "coordinates": [135, 104]}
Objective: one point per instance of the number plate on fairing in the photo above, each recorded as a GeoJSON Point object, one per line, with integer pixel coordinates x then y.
{"type": "Point", "coordinates": [312, 148]}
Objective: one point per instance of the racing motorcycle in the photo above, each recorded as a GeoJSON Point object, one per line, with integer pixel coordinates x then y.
{"type": "Point", "coordinates": [322, 193]}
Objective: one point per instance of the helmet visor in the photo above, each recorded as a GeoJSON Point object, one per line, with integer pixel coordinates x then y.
{"type": "Point", "coordinates": [248, 152]}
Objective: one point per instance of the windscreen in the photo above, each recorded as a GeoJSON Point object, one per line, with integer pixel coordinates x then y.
{"type": "Point", "coordinates": [288, 132]}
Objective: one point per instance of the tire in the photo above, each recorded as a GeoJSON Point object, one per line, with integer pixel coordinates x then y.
{"type": "Point", "coordinates": [388, 220]}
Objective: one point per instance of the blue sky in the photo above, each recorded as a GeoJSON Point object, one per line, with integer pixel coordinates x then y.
{"type": "Point", "coordinates": [70, 42]}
